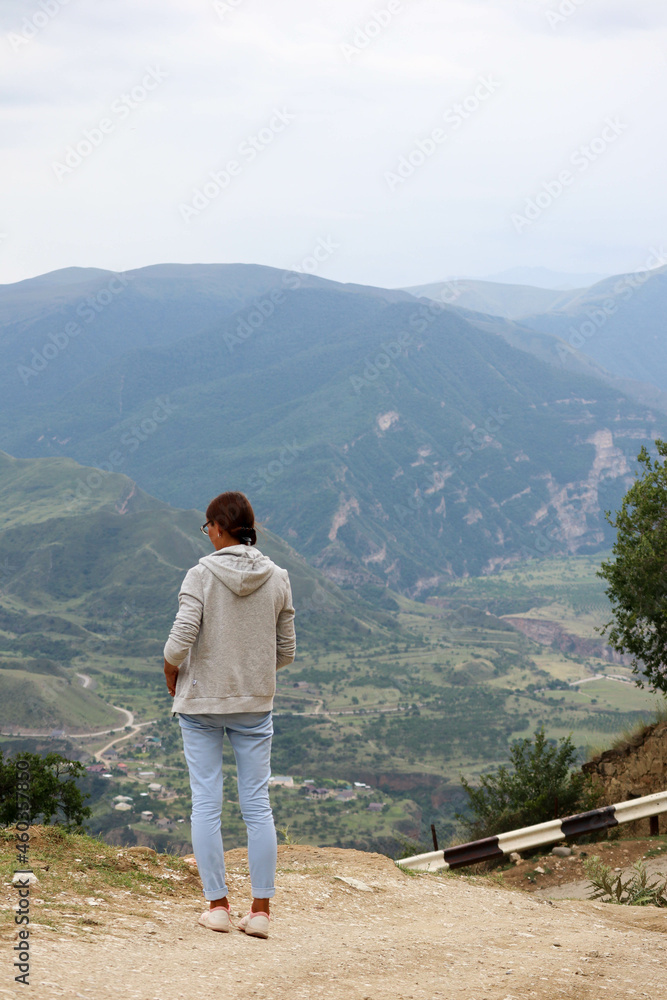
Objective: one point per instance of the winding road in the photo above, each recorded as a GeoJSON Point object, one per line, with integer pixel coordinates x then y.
{"type": "Point", "coordinates": [134, 727]}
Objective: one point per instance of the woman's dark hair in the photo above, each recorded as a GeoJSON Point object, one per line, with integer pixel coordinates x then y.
{"type": "Point", "coordinates": [233, 512]}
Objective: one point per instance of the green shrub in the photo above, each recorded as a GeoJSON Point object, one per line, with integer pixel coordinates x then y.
{"type": "Point", "coordinates": [539, 785]}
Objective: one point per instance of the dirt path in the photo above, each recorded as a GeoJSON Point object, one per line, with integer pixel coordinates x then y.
{"type": "Point", "coordinates": [423, 937]}
{"type": "Point", "coordinates": [135, 727]}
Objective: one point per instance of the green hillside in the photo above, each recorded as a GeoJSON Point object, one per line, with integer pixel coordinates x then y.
{"type": "Point", "coordinates": [619, 323]}
{"type": "Point", "coordinates": [58, 329]}
{"type": "Point", "coordinates": [455, 453]}
{"type": "Point", "coordinates": [43, 701]}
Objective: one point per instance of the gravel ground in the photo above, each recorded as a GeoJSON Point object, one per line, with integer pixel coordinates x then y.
{"type": "Point", "coordinates": [386, 935]}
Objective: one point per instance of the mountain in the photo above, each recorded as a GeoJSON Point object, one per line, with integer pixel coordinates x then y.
{"type": "Point", "coordinates": [620, 323]}
{"type": "Point", "coordinates": [542, 277]}
{"type": "Point", "coordinates": [58, 329]}
{"type": "Point", "coordinates": [389, 441]}
{"type": "Point", "coordinates": [508, 301]}
{"type": "Point", "coordinates": [566, 357]}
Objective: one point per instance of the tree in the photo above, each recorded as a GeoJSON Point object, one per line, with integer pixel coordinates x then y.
{"type": "Point", "coordinates": [52, 793]}
{"type": "Point", "coordinates": [637, 575]}
{"type": "Point", "coordinates": [537, 787]}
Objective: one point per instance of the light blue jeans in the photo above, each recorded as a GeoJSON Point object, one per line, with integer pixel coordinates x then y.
{"type": "Point", "coordinates": [250, 736]}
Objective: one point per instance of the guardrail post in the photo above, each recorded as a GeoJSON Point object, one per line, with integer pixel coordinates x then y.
{"type": "Point", "coordinates": [654, 826]}
{"type": "Point", "coordinates": [435, 838]}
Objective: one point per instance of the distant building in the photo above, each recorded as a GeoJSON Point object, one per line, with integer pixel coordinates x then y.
{"type": "Point", "coordinates": [164, 823]}
{"type": "Point", "coordinates": [146, 774]}
{"type": "Point", "coordinates": [123, 806]}
{"type": "Point", "coordinates": [155, 787]}
{"type": "Point", "coordinates": [376, 807]}
{"type": "Point", "coordinates": [282, 779]}
{"type": "Point", "coordinates": [147, 815]}
{"type": "Point", "coordinates": [95, 768]}
{"type": "Point", "coordinates": [123, 798]}
{"type": "Point", "coordinates": [346, 795]}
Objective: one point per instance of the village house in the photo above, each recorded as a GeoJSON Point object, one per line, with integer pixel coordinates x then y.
{"type": "Point", "coordinates": [319, 793]}
{"type": "Point", "coordinates": [346, 795]}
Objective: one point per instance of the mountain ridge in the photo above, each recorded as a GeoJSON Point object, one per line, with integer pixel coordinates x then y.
{"type": "Point", "coordinates": [392, 441]}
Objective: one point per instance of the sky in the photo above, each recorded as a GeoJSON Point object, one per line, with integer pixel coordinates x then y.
{"type": "Point", "coordinates": [396, 142]}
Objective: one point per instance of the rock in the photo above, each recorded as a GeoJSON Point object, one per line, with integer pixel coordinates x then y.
{"type": "Point", "coordinates": [145, 852]}
{"type": "Point", "coordinates": [539, 870]}
{"type": "Point", "coordinates": [354, 882]}
{"type": "Point", "coordinates": [515, 858]}
{"type": "Point", "coordinates": [30, 877]}
{"type": "Point", "coordinates": [561, 851]}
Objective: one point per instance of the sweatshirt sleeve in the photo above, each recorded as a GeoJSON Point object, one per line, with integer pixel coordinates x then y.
{"type": "Point", "coordinates": [285, 635]}
{"type": "Point", "coordinates": [186, 625]}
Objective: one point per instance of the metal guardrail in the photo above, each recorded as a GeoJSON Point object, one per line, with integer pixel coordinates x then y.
{"type": "Point", "coordinates": [492, 848]}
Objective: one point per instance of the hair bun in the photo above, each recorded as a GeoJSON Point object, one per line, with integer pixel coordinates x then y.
{"type": "Point", "coordinates": [247, 536]}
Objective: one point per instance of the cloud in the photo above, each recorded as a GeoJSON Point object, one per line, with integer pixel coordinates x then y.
{"type": "Point", "coordinates": [356, 113]}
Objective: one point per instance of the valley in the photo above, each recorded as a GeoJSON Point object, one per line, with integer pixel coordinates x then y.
{"type": "Point", "coordinates": [382, 712]}
{"type": "Point", "coordinates": [433, 475]}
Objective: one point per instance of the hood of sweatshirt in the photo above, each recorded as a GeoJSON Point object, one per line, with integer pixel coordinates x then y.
{"type": "Point", "coordinates": [242, 568]}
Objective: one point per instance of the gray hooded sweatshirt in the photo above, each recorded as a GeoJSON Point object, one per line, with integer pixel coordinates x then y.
{"type": "Point", "coordinates": [233, 630]}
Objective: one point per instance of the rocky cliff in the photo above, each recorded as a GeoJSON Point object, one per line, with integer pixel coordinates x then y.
{"type": "Point", "coordinates": [637, 767]}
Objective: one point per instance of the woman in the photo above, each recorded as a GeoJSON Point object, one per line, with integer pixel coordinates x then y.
{"type": "Point", "coordinates": [234, 628]}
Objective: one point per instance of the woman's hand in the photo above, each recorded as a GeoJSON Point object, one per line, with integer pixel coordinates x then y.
{"type": "Point", "coordinates": [171, 675]}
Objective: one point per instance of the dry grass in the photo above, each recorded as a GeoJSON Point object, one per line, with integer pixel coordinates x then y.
{"type": "Point", "coordinates": [634, 736]}
{"type": "Point", "coordinates": [73, 869]}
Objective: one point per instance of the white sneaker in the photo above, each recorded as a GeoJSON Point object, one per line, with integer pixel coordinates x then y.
{"type": "Point", "coordinates": [216, 920]}
{"type": "Point", "coordinates": [255, 924]}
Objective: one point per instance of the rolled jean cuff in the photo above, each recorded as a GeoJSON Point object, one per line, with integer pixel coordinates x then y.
{"type": "Point", "coordinates": [210, 894]}
{"type": "Point", "coordinates": [262, 893]}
